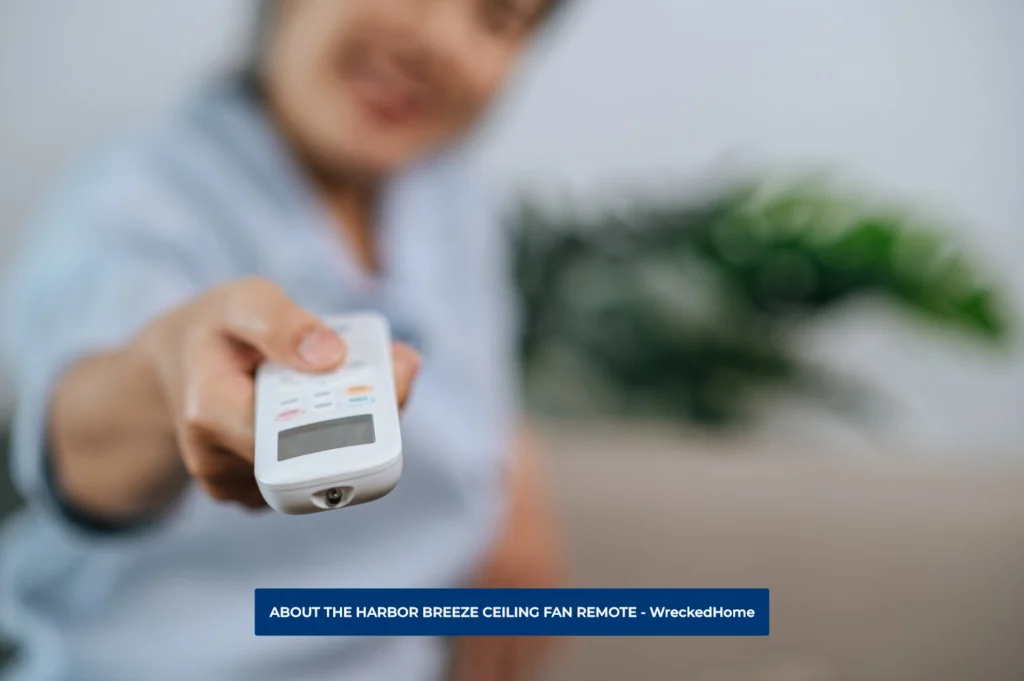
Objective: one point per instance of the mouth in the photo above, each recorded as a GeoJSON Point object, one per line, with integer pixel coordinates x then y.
{"type": "Point", "coordinates": [389, 94]}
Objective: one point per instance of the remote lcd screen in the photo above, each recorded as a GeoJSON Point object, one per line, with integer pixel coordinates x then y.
{"type": "Point", "coordinates": [321, 437]}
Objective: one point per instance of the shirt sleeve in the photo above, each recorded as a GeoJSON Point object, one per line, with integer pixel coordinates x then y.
{"type": "Point", "coordinates": [83, 284]}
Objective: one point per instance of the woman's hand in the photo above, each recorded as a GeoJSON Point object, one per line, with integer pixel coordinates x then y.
{"type": "Point", "coordinates": [528, 554]}
{"type": "Point", "coordinates": [129, 427]}
{"type": "Point", "coordinates": [204, 356]}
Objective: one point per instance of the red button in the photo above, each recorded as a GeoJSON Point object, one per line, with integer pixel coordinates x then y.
{"type": "Point", "coordinates": [289, 414]}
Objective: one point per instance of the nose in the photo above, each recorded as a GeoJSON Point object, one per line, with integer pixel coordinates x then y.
{"type": "Point", "coordinates": [441, 29]}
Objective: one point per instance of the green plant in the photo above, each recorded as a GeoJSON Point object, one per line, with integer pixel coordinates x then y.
{"type": "Point", "coordinates": [685, 309]}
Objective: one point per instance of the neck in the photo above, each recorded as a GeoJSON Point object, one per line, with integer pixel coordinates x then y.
{"type": "Point", "coordinates": [353, 201]}
{"type": "Point", "coordinates": [350, 196]}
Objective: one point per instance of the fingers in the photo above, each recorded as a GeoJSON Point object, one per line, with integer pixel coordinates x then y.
{"type": "Point", "coordinates": [257, 313]}
{"type": "Point", "coordinates": [218, 409]}
{"type": "Point", "coordinates": [214, 427]}
{"type": "Point", "coordinates": [219, 472]}
{"type": "Point", "coordinates": [406, 362]}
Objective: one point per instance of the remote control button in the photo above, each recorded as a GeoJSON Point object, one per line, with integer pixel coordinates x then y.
{"type": "Point", "coordinates": [291, 379]}
{"type": "Point", "coordinates": [359, 390]}
{"type": "Point", "coordinates": [360, 401]}
{"type": "Point", "coordinates": [323, 406]}
{"type": "Point", "coordinates": [289, 414]}
{"type": "Point", "coordinates": [290, 402]}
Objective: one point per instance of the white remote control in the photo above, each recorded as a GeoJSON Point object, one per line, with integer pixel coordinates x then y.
{"type": "Point", "coordinates": [324, 441]}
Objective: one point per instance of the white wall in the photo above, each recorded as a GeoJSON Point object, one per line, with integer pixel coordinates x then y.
{"type": "Point", "coordinates": [919, 98]}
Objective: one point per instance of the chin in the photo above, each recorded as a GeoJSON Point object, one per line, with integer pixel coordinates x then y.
{"type": "Point", "coordinates": [382, 149]}
{"type": "Point", "coordinates": [381, 161]}
{"type": "Point", "coordinates": [366, 149]}
{"type": "Point", "coordinates": [345, 160]}
{"type": "Point", "coordinates": [359, 152]}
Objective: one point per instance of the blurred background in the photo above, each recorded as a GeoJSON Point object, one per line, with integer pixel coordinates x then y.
{"type": "Point", "coordinates": [809, 212]}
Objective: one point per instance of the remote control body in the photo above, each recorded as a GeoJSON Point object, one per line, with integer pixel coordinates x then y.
{"type": "Point", "coordinates": [326, 441]}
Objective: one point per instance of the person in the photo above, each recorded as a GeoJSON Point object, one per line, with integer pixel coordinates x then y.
{"type": "Point", "coordinates": [169, 265]}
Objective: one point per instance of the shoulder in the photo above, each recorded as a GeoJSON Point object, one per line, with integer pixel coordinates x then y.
{"type": "Point", "coordinates": [100, 182]}
{"type": "Point", "coordinates": [115, 212]}
{"type": "Point", "coordinates": [131, 188]}
{"type": "Point", "coordinates": [113, 183]}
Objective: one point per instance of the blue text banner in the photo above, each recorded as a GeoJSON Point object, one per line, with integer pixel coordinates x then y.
{"type": "Point", "coordinates": [512, 612]}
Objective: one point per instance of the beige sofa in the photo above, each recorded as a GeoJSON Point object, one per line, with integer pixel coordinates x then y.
{"type": "Point", "coordinates": [881, 567]}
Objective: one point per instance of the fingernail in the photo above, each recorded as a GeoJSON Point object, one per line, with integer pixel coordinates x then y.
{"type": "Point", "coordinates": [321, 347]}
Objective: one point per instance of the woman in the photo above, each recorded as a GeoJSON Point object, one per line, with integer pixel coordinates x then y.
{"type": "Point", "coordinates": [166, 269]}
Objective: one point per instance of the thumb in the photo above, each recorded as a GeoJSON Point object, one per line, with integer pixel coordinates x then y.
{"type": "Point", "coordinates": [260, 315]}
{"type": "Point", "coordinates": [320, 348]}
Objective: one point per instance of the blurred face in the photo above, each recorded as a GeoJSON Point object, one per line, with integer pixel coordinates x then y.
{"type": "Point", "coordinates": [366, 86]}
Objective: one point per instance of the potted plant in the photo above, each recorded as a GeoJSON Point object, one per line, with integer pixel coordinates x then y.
{"type": "Point", "coordinates": [685, 309]}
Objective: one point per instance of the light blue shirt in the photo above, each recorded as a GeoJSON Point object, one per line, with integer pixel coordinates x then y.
{"type": "Point", "coordinates": [205, 197]}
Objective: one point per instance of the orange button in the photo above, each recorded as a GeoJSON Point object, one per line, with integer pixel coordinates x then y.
{"type": "Point", "coordinates": [360, 390]}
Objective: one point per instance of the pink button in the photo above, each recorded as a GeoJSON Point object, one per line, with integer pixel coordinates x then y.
{"type": "Point", "coordinates": [289, 414]}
